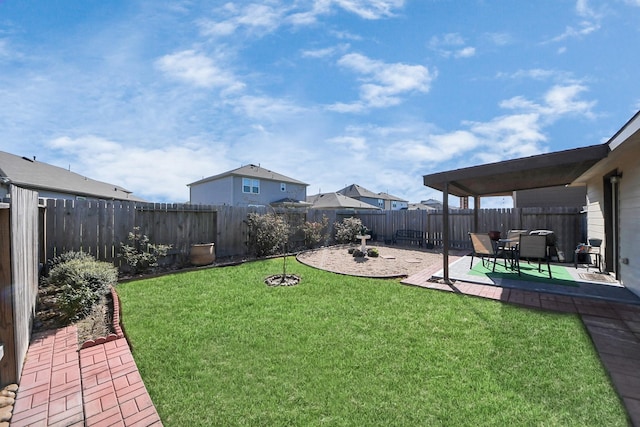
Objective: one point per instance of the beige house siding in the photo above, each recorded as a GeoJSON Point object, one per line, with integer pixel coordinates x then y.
{"type": "Point", "coordinates": [549, 197]}
{"type": "Point", "coordinates": [595, 211]}
{"type": "Point", "coordinates": [624, 160]}
{"type": "Point", "coordinates": [630, 220]}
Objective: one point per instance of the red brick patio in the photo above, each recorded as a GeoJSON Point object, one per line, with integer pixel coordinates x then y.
{"type": "Point", "coordinates": [96, 386]}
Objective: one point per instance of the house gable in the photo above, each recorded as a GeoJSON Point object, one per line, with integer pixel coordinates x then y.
{"type": "Point", "coordinates": [246, 186]}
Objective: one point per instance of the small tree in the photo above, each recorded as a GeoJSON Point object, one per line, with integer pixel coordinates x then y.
{"type": "Point", "coordinates": [140, 254]}
{"type": "Point", "coordinates": [348, 229]}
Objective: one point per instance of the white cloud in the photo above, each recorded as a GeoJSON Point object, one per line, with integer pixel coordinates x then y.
{"type": "Point", "coordinates": [559, 100]}
{"type": "Point", "coordinates": [534, 73]}
{"type": "Point", "coordinates": [350, 142]}
{"type": "Point", "coordinates": [272, 109]}
{"type": "Point", "coordinates": [197, 69]}
{"type": "Point", "coordinates": [254, 18]}
{"type": "Point", "coordinates": [371, 9]}
{"type": "Point", "coordinates": [259, 19]}
{"type": "Point", "coordinates": [466, 52]}
{"type": "Point", "coordinates": [160, 173]}
{"type": "Point", "coordinates": [451, 45]}
{"type": "Point", "coordinates": [325, 52]}
{"type": "Point", "coordinates": [590, 22]}
{"type": "Point", "coordinates": [383, 83]}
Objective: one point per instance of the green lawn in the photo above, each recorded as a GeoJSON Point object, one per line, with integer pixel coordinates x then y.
{"type": "Point", "coordinates": [219, 347]}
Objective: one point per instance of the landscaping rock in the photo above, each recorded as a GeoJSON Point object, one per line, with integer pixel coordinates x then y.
{"type": "Point", "coordinates": [12, 387]}
{"type": "Point", "coordinates": [6, 401]}
{"type": "Point", "coordinates": [7, 393]}
{"type": "Point", "coordinates": [5, 414]}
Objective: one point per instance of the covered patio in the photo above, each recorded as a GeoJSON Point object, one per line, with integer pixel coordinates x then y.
{"type": "Point", "coordinates": [503, 178]}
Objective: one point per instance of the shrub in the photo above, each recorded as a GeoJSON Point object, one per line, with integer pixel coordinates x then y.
{"type": "Point", "coordinates": [68, 256]}
{"type": "Point", "coordinates": [373, 252]}
{"type": "Point", "coordinates": [79, 282]}
{"type": "Point", "coordinates": [348, 229]}
{"type": "Point", "coordinates": [268, 234]}
{"type": "Point", "coordinates": [140, 255]}
{"type": "Point", "coordinates": [315, 233]}
{"type": "Point", "coordinates": [357, 253]}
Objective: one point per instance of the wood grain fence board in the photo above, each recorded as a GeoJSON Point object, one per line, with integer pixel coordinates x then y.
{"type": "Point", "coordinates": [23, 241]}
{"type": "Point", "coordinates": [7, 335]}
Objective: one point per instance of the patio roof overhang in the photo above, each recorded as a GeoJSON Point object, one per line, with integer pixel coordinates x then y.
{"type": "Point", "coordinates": [502, 178]}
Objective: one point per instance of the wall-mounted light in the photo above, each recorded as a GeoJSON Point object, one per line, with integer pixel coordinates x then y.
{"type": "Point", "coordinates": [614, 179]}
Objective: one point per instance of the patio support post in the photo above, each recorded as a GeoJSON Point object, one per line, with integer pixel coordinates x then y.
{"type": "Point", "coordinates": [445, 232]}
{"type": "Point", "coordinates": [476, 212]}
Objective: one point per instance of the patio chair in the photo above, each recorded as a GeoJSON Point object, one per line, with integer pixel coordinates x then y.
{"type": "Point", "coordinates": [510, 247]}
{"type": "Point", "coordinates": [533, 247]}
{"type": "Point", "coordinates": [483, 248]}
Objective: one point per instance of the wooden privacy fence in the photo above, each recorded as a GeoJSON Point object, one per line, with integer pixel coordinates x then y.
{"type": "Point", "coordinates": [100, 227]}
{"type": "Point", "coordinates": [18, 279]}
{"type": "Point", "coordinates": [566, 223]}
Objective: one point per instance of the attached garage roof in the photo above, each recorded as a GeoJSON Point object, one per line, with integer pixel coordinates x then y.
{"type": "Point", "coordinates": [502, 178]}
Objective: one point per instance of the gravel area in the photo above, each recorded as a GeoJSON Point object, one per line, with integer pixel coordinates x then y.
{"type": "Point", "coordinates": [393, 261]}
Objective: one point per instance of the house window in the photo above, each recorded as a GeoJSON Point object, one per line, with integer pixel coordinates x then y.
{"type": "Point", "coordinates": [283, 187]}
{"type": "Point", "coordinates": [381, 203]}
{"type": "Point", "coordinates": [250, 185]}
{"type": "Point", "coordinates": [394, 205]}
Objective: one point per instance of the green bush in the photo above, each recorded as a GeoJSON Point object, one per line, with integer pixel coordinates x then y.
{"type": "Point", "coordinates": [68, 256]}
{"type": "Point", "coordinates": [373, 252]}
{"type": "Point", "coordinates": [140, 255]}
{"type": "Point", "coordinates": [268, 234]}
{"type": "Point", "coordinates": [348, 229]}
{"type": "Point", "coordinates": [315, 233]}
{"type": "Point", "coordinates": [79, 283]}
{"type": "Point", "coordinates": [357, 253]}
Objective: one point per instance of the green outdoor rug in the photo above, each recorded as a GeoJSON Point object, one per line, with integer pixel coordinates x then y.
{"type": "Point", "coordinates": [529, 273]}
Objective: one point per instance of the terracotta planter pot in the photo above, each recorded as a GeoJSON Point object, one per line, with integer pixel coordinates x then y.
{"type": "Point", "coordinates": [202, 254]}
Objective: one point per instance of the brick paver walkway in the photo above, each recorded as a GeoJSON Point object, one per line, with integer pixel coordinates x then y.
{"type": "Point", "coordinates": [96, 386]}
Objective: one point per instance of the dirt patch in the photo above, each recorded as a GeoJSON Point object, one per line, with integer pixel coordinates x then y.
{"type": "Point", "coordinates": [393, 261]}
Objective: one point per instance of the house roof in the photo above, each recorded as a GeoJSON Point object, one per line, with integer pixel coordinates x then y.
{"type": "Point", "coordinates": [502, 178]}
{"type": "Point", "coordinates": [622, 146]}
{"type": "Point", "coordinates": [337, 201]}
{"type": "Point", "coordinates": [35, 175]}
{"type": "Point", "coordinates": [355, 191]}
{"type": "Point", "coordinates": [251, 171]}
{"type": "Point", "coordinates": [387, 196]}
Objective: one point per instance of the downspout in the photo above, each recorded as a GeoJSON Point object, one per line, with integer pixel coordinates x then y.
{"type": "Point", "coordinates": [614, 180]}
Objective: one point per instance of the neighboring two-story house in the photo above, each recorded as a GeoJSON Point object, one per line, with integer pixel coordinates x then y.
{"type": "Point", "coordinates": [381, 200]}
{"type": "Point", "coordinates": [54, 182]}
{"type": "Point", "coordinates": [249, 185]}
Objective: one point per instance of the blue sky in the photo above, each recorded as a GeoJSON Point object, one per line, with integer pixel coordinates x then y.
{"type": "Point", "coordinates": [152, 95]}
